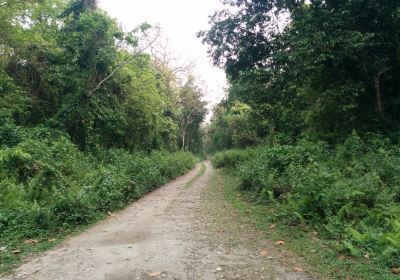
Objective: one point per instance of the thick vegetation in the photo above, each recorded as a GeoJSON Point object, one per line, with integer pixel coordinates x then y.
{"type": "Point", "coordinates": [48, 186]}
{"type": "Point", "coordinates": [88, 120]}
{"type": "Point", "coordinates": [316, 70]}
{"type": "Point", "coordinates": [349, 193]}
{"type": "Point", "coordinates": [313, 87]}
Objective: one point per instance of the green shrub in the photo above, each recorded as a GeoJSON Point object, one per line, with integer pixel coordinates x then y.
{"type": "Point", "coordinates": [350, 192]}
{"type": "Point", "coordinates": [230, 158]}
{"type": "Point", "coordinates": [47, 184]}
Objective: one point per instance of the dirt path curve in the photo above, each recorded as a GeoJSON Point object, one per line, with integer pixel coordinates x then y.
{"type": "Point", "coordinates": [169, 234]}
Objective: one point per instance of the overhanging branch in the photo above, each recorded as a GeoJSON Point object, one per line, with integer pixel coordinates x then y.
{"type": "Point", "coordinates": [122, 65]}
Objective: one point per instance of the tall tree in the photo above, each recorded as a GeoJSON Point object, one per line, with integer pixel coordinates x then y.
{"type": "Point", "coordinates": [326, 67]}
{"type": "Point", "coordinates": [191, 110]}
{"type": "Point", "coordinates": [68, 65]}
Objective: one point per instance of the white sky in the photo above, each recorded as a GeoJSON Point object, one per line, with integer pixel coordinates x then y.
{"type": "Point", "coordinates": [180, 20]}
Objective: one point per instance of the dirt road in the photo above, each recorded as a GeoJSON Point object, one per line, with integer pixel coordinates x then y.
{"type": "Point", "coordinates": [179, 231]}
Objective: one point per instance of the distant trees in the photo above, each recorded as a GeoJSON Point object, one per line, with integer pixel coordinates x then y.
{"type": "Point", "coordinates": [231, 127]}
{"type": "Point", "coordinates": [68, 65]}
{"type": "Point", "coordinates": [191, 112]}
{"type": "Point", "coordinates": [323, 69]}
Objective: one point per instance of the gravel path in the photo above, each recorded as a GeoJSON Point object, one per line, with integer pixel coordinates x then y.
{"type": "Point", "coordinates": [179, 231]}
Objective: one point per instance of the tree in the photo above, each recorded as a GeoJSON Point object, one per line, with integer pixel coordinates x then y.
{"type": "Point", "coordinates": [191, 111]}
{"type": "Point", "coordinates": [232, 126]}
{"type": "Point", "coordinates": [67, 65]}
{"type": "Point", "coordinates": [96, 50]}
{"type": "Point", "coordinates": [324, 69]}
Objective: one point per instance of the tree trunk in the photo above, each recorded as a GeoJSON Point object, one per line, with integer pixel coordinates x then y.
{"type": "Point", "coordinates": [378, 98]}
{"type": "Point", "coordinates": [378, 95]}
{"type": "Point", "coordinates": [183, 139]}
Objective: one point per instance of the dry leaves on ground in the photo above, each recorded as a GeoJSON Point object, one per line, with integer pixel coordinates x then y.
{"type": "Point", "coordinates": [298, 269]}
{"type": "Point", "coordinates": [264, 253]}
{"type": "Point", "coordinates": [154, 274]}
{"type": "Point", "coordinates": [341, 257]}
{"type": "Point", "coordinates": [31, 241]}
{"type": "Point", "coordinates": [111, 214]}
{"type": "Point", "coordinates": [396, 270]}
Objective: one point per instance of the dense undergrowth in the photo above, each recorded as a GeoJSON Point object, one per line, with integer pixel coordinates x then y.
{"type": "Point", "coordinates": [349, 193]}
{"type": "Point", "coordinates": [48, 186]}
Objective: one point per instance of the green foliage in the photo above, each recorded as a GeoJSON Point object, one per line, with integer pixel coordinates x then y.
{"type": "Point", "coordinates": [13, 102]}
{"type": "Point", "coordinates": [312, 73]}
{"type": "Point", "coordinates": [319, 252]}
{"type": "Point", "coordinates": [47, 183]}
{"type": "Point", "coordinates": [350, 192]}
{"type": "Point", "coordinates": [316, 68]}
{"type": "Point", "coordinates": [230, 158]}
{"type": "Point", "coordinates": [190, 115]}
{"type": "Point", "coordinates": [88, 120]}
{"type": "Point", "coordinates": [231, 127]}
{"type": "Point", "coordinates": [68, 65]}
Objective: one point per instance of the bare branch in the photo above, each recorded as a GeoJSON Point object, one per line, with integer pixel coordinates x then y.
{"type": "Point", "coordinates": [165, 61]}
{"type": "Point", "coordinates": [122, 65]}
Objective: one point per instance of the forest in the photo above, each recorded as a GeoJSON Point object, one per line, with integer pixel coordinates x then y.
{"type": "Point", "coordinates": [91, 118]}
{"type": "Point", "coordinates": [310, 123]}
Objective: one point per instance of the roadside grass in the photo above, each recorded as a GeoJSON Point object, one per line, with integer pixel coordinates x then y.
{"type": "Point", "coordinates": [202, 171]}
{"type": "Point", "coordinates": [320, 256]}
{"type": "Point", "coordinates": [25, 237]}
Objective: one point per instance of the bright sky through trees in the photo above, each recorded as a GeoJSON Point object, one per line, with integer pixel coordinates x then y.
{"type": "Point", "coordinates": [180, 21]}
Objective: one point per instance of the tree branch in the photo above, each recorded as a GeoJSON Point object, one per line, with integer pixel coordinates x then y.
{"type": "Point", "coordinates": [122, 65]}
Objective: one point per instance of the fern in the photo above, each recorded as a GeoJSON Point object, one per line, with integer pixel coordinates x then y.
{"type": "Point", "coordinates": [8, 154]}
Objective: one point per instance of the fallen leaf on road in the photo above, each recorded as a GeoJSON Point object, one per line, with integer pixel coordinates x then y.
{"type": "Point", "coordinates": [280, 242]}
{"type": "Point", "coordinates": [154, 274]}
{"type": "Point", "coordinates": [298, 269]}
{"type": "Point", "coordinates": [264, 253]}
{"type": "Point", "coordinates": [396, 270]}
{"type": "Point", "coordinates": [111, 214]}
